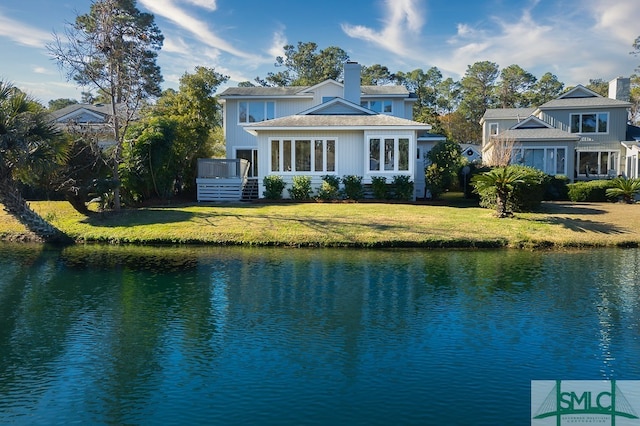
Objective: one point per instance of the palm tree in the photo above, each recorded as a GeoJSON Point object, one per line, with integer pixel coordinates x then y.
{"type": "Point", "coordinates": [625, 188]}
{"type": "Point", "coordinates": [29, 145]}
{"type": "Point", "coordinates": [504, 180]}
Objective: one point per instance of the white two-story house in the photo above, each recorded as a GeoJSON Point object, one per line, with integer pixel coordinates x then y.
{"type": "Point", "coordinates": [581, 134]}
{"type": "Point", "coordinates": [330, 128]}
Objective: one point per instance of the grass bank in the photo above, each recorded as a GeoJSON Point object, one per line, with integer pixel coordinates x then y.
{"type": "Point", "coordinates": [453, 224]}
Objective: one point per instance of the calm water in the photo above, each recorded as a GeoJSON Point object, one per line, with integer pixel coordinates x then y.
{"type": "Point", "coordinates": [112, 335]}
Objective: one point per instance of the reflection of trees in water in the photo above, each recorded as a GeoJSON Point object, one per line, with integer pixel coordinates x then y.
{"type": "Point", "coordinates": [118, 320]}
{"type": "Point", "coordinates": [99, 320]}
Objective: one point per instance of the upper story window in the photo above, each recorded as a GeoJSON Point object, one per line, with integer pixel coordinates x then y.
{"type": "Point", "coordinates": [256, 111]}
{"type": "Point", "coordinates": [381, 106]}
{"type": "Point", "coordinates": [493, 129]}
{"type": "Point", "coordinates": [593, 122]}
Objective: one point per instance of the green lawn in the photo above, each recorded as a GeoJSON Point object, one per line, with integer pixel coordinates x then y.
{"type": "Point", "coordinates": [456, 224]}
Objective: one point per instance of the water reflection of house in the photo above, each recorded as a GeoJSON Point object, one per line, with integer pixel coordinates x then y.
{"type": "Point", "coordinates": [91, 121]}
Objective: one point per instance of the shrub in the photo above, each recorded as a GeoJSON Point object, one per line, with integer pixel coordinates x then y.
{"type": "Point", "coordinates": [557, 189]}
{"type": "Point", "coordinates": [594, 190]}
{"type": "Point", "coordinates": [527, 193]}
{"type": "Point", "coordinates": [301, 188]}
{"type": "Point", "coordinates": [353, 187]}
{"type": "Point", "coordinates": [435, 180]}
{"type": "Point", "coordinates": [447, 156]}
{"type": "Point", "coordinates": [403, 187]}
{"type": "Point", "coordinates": [330, 188]}
{"type": "Point", "coordinates": [626, 189]}
{"type": "Point", "coordinates": [273, 185]}
{"type": "Point", "coordinates": [380, 188]}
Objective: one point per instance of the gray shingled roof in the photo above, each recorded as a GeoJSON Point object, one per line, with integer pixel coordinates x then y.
{"type": "Point", "coordinates": [384, 90]}
{"type": "Point", "coordinates": [332, 121]}
{"type": "Point", "coordinates": [299, 90]}
{"type": "Point", "coordinates": [101, 109]}
{"type": "Point", "coordinates": [536, 134]}
{"type": "Point", "coordinates": [263, 91]}
{"type": "Point", "coordinates": [590, 102]}
{"type": "Point", "coordinates": [507, 113]}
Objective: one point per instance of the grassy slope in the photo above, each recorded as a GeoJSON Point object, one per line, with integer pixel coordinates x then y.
{"type": "Point", "coordinates": [357, 224]}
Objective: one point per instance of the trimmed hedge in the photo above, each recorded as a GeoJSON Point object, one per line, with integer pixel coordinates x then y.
{"type": "Point", "coordinates": [593, 190]}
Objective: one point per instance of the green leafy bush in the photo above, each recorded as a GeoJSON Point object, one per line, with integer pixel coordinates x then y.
{"type": "Point", "coordinates": [594, 190]}
{"type": "Point", "coordinates": [625, 189]}
{"type": "Point", "coordinates": [527, 193]}
{"type": "Point", "coordinates": [273, 185]}
{"type": "Point", "coordinates": [557, 189]}
{"type": "Point", "coordinates": [380, 188]}
{"type": "Point", "coordinates": [402, 187]}
{"type": "Point", "coordinates": [353, 189]}
{"type": "Point", "coordinates": [301, 188]}
{"type": "Point", "coordinates": [436, 180]}
{"type": "Point", "coordinates": [330, 188]}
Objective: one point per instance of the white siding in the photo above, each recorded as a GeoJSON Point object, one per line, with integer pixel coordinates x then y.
{"type": "Point", "coordinates": [351, 155]}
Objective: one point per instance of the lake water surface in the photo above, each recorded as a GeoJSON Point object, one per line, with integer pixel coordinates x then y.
{"type": "Point", "coordinates": [138, 335]}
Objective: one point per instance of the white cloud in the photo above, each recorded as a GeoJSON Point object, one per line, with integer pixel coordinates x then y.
{"type": "Point", "coordinates": [577, 42]}
{"type": "Point", "coordinates": [42, 70]}
{"type": "Point", "coordinates": [404, 18]}
{"type": "Point", "coordinates": [205, 4]}
{"type": "Point", "coordinates": [22, 33]}
{"type": "Point", "coordinates": [198, 28]}
{"type": "Point", "coordinates": [278, 43]}
{"type": "Point", "coordinates": [617, 18]}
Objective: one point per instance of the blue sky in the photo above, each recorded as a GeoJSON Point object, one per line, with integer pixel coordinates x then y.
{"type": "Point", "coordinates": [576, 40]}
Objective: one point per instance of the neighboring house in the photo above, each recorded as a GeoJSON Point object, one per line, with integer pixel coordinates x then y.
{"type": "Point", "coordinates": [471, 152]}
{"type": "Point", "coordinates": [330, 128]}
{"type": "Point", "coordinates": [581, 134]}
{"type": "Point", "coordinates": [92, 121]}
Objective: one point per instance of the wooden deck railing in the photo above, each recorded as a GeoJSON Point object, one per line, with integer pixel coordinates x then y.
{"type": "Point", "coordinates": [214, 168]}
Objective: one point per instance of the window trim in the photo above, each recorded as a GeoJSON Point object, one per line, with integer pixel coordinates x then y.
{"type": "Point", "coordinates": [366, 103]}
{"type": "Point", "coordinates": [580, 123]}
{"type": "Point", "coordinates": [265, 111]}
{"type": "Point", "coordinates": [599, 174]}
{"type": "Point", "coordinates": [396, 154]}
{"type": "Point", "coordinates": [292, 155]}
{"type": "Point", "coordinates": [555, 148]}
{"type": "Point", "coordinates": [492, 126]}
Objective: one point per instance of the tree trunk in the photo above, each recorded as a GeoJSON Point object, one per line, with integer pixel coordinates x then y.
{"type": "Point", "coordinates": [17, 207]}
{"type": "Point", "coordinates": [501, 204]}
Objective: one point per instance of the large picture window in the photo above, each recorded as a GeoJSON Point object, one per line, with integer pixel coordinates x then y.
{"type": "Point", "coordinates": [388, 154]}
{"type": "Point", "coordinates": [597, 163]}
{"type": "Point", "coordinates": [552, 161]}
{"type": "Point", "coordinates": [593, 122]}
{"type": "Point", "coordinates": [303, 155]}
{"type": "Point", "coordinates": [255, 112]}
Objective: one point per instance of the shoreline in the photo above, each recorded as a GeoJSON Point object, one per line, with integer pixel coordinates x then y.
{"type": "Point", "coordinates": [559, 225]}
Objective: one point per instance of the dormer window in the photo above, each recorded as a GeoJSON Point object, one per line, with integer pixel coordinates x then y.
{"type": "Point", "coordinates": [593, 122]}
{"type": "Point", "coordinates": [493, 129]}
{"type": "Point", "coordinates": [255, 112]}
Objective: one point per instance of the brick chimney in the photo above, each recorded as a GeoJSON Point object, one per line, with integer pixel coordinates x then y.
{"type": "Point", "coordinates": [352, 82]}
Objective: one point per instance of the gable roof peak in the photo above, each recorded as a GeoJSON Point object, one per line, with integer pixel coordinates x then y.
{"type": "Point", "coordinates": [580, 92]}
